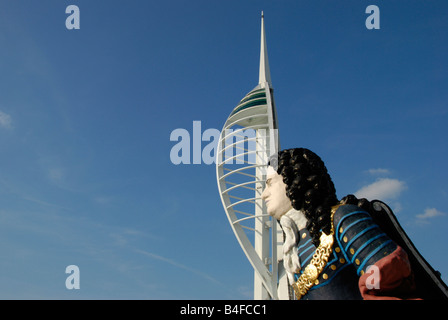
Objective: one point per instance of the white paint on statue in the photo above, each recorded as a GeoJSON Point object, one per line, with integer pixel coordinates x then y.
{"type": "Point", "coordinates": [279, 206]}
{"type": "Point", "coordinates": [291, 223]}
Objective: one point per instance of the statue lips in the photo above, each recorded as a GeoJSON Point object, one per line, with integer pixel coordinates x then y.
{"type": "Point", "coordinates": [266, 204]}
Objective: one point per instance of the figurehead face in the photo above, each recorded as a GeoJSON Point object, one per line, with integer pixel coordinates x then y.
{"type": "Point", "coordinates": [274, 194]}
{"type": "Point", "coordinates": [297, 178]}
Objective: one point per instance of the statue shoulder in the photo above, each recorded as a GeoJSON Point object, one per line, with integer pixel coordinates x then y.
{"type": "Point", "coordinates": [348, 213]}
{"type": "Point", "coordinates": [360, 238]}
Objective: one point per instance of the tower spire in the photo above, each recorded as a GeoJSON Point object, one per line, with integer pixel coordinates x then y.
{"type": "Point", "coordinates": [265, 74]}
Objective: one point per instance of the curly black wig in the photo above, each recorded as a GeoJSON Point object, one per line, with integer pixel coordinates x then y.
{"type": "Point", "coordinates": [308, 186]}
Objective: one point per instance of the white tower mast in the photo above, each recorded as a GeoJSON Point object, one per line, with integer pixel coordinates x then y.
{"type": "Point", "coordinates": [265, 73]}
{"type": "Point", "coordinates": [248, 138]}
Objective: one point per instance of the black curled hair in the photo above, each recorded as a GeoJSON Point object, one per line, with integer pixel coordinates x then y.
{"type": "Point", "coordinates": [308, 186]}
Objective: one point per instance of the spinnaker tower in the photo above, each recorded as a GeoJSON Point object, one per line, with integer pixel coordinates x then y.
{"type": "Point", "coordinates": [248, 138]}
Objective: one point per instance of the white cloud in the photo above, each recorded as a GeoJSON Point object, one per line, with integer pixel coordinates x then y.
{"type": "Point", "coordinates": [382, 189]}
{"type": "Point", "coordinates": [5, 120]}
{"type": "Point", "coordinates": [429, 213]}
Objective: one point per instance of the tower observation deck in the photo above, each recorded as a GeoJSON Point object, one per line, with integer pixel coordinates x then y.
{"type": "Point", "coordinates": [249, 136]}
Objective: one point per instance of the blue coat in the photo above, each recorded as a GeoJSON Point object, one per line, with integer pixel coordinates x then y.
{"type": "Point", "coordinates": [358, 244]}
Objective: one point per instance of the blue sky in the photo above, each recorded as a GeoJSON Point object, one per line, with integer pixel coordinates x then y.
{"type": "Point", "coordinates": [86, 116]}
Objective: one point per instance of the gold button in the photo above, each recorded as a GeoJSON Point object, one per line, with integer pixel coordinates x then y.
{"type": "Point", "coordinates": [341, 230]}
{"type": "Point", "coordinates": [342, 260]}
{"type": "Point", "coordinates": [325, 276]}
{"type": "Point", "coordinates": [362, 272]}
{"type": "Point", "coordinates": [352, 251]}
{"type": "Point", "coordinates": [337, 249]}
{"type": "Point", "coordinates": [357, 262]}
{"type": "Point", "coordinates": [316, 282]}
{"type": "Point", "coordinates": [345, 239]}
{"type": "Point", "coordinates": [304, 236]}
{"type": "Point", "coordinates": [333, 267]}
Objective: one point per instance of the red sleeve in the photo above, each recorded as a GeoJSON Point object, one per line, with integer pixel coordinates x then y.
{"type": "Point", "coordinates": [390, 278]}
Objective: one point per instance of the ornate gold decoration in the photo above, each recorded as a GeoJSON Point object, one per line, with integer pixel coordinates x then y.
{"type": "Point", "coordinates": [317, 263]}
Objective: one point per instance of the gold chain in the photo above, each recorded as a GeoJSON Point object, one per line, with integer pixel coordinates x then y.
{"type": "Point", "coordinates": [317, 263]}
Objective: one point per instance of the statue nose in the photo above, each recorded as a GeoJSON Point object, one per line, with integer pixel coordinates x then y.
{"type": "Point", "coordinates": [264, 195]}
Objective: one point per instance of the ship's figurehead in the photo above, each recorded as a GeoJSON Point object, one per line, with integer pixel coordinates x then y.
{"type": "Point", "coordinates": [341, 249]}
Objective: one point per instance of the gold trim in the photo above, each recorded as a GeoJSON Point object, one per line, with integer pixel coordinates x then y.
{"type": "Point", "coordinates": [317, 263]}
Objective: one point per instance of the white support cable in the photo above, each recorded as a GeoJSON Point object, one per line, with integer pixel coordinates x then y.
{"type": "Point", "coordinates": [240, 155]}
{"type": "Point", "coordinates": [241, 173]}
{"type": "Point", "coordinates": [237, 198]}
{"type": "Point", "coordinates": [236, 143]}
{"type": "Point", "coordinates": [252, 217]}
{"type": "Point", "coordinates": [242, 169]}
{"type": "Point", "coordinates": [250, 200]}
{"type": "Point", "coordinates": [242, 212]}
{"type": "Point", "coordinates": [234, 132]}
{"type": "Point", "coordinates": [242, 185]}
{"type": "Point", "coordinates": [230, 123]}
{"type": "Point", "coordinates": [248, 228]}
